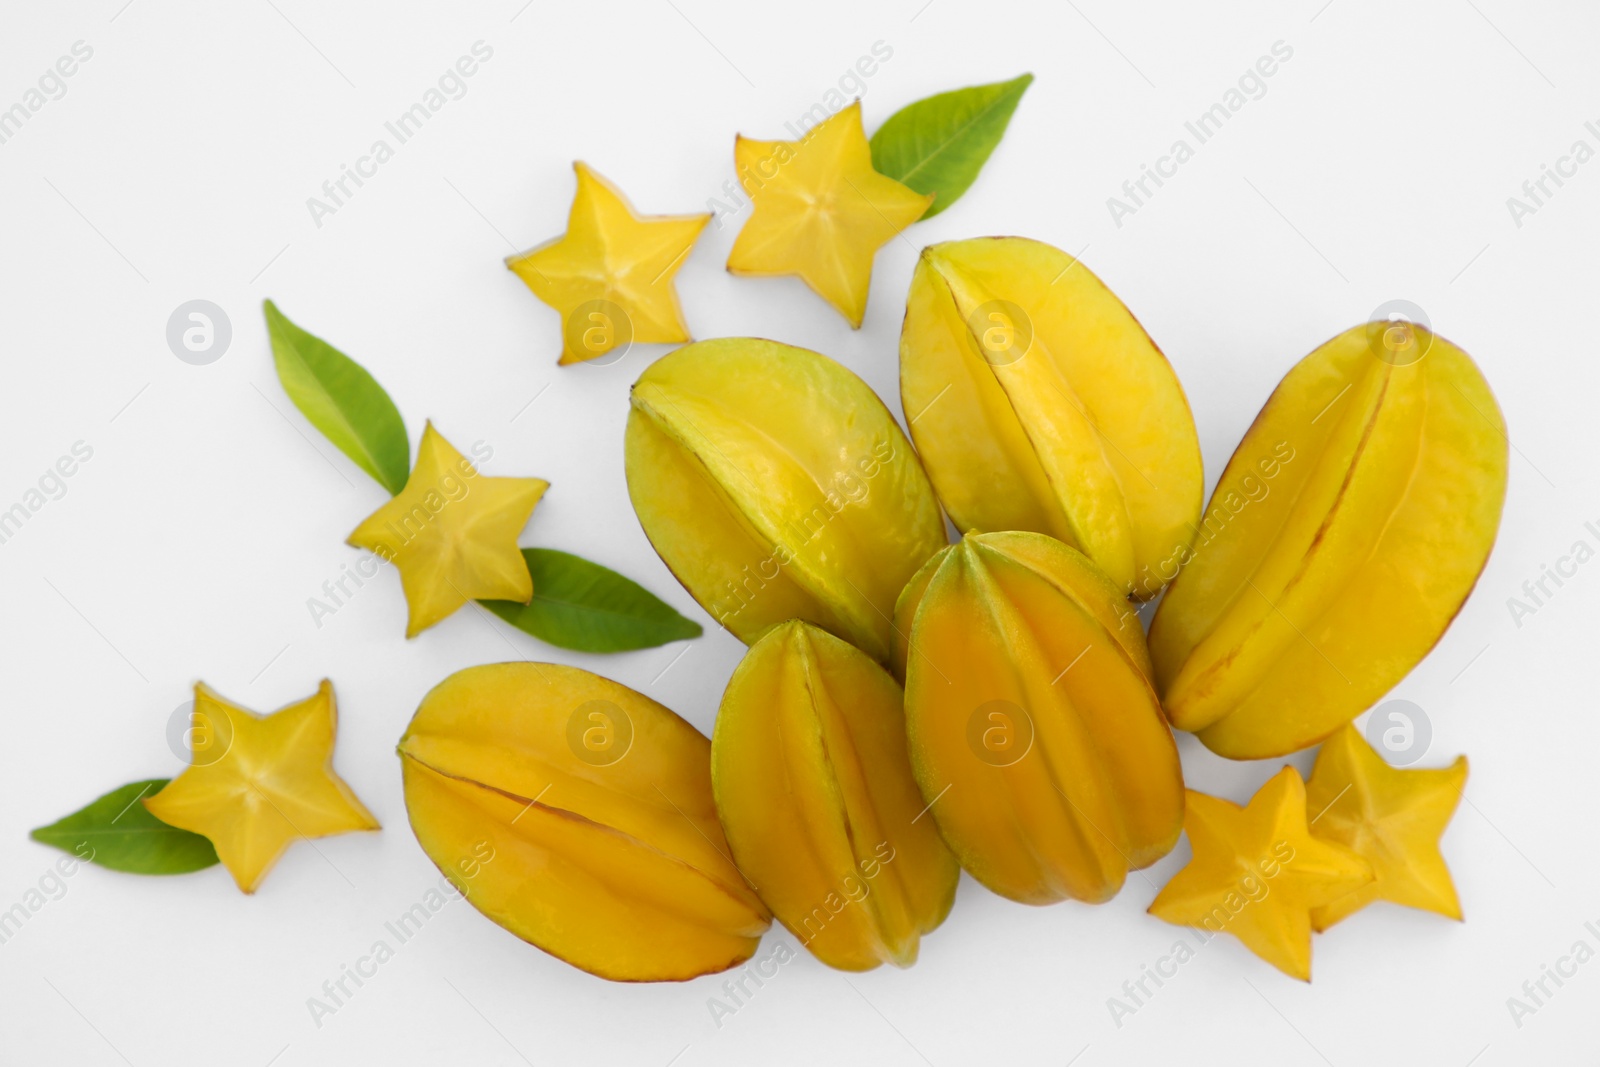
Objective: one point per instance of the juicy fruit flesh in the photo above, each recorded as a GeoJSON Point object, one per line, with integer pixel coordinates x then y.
{"type": "Point", "coordinates": [1093, 787]}
{"type": "Point", "coordinates": [814, 789]}
{"type": "Point", "coordinates": [1258, 873]}
{"type": "Point", "coordinates": [1081, 431]}
{"type": "Point", "coordinates": [452, 532]}
{"type": "Point", "coordinates": [617, 867]}
{"type": "Point", "coordinates": [1309, 600]}
{"type": "Point", "coordinates": [257, 783]}
{"type": "Point", "coordinates": [775, 485]}
{"type": "Point", "coordinates": [820, 211]}
{"type": "Point", "coordinates": [611, 275]}
{"type": "Point", "coordinates": [1391, 817]}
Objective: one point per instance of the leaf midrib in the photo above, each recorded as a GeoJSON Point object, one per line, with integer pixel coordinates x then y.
{"type": "Point", "coordinates": [339, 410]}
{"type": "Point", "coordinates": [578, 606]}
{"type": "Point", "coordinates": [931, 156]}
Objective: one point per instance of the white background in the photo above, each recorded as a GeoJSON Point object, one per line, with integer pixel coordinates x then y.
{"type": "Point", "coordinates": [177, 166]}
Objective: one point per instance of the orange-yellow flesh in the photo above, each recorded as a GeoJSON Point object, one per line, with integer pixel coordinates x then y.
{"type": "Point", "coordinates": [1392, 817]}
{"type": "Point", "coordinates": [1258, 873]}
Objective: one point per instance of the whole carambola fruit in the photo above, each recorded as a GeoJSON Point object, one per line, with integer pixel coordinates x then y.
{"type": "Point", "coordinates": [1349, 527]}
{"type": "Point", "coordinates": [775, 485]}
{"type": "Point", "coordinates": [1038, 402]}
{"type": "Point", "coordinates": [578, 814]}
{"type": "Point", "coordinates": [814, 789]}
{"type": "Point", "coordinates": [1034, 731]}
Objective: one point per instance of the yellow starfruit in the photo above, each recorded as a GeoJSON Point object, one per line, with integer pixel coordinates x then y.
{"type": "Point", "coordinates": [819, 210]}
{"type": "Point", "coordinates": [1034, 732]}
{"type": "Point", "coordinates": [578, 814]}
{"type": "Point", "coordinates": [1343, 537]}
{"type": "Point", "coordinates": [775, 485]}
{"type": "Point", "coordinates": [453, 534]}
{"type": "Point", "coordinates": [1038, 402]}
{"type": "Point", "coordinates": [611, 274]}
{"type": "Point", "coordinates": [1258, 874]}
{"type": "Point", "coordinates": [814, 790]}
{"type": "Point", "coordinates": [257, 783]}
{"type": "Point", "coordinates": [1392, 817]}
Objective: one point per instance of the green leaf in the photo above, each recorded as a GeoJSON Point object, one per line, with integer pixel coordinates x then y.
{"type": "Point", "coordinates": [938, 145]}
{"type": "Point", "coordinates": [118, 832]}
{"type": "Point", "coordinates": [587, 608]}
{"type": "Point", "coordinates": [342, 400]}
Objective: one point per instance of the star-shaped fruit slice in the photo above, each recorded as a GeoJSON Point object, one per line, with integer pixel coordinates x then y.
{"type": "Point", "coordinates": [820, 211]}
{"type": "Point", "coordinates": [1392, 817]}
{"type": "Point", "coordinates": [257, 783]}
{"type": "Point", "coordinates": [453, 534]}
{"type": "Point", "coordinates": [611, 274]}
{"type": "Point", "coordinates": [1257, 873]}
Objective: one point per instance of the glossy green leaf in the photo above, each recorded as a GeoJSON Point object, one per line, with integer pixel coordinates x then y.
{"type": "Point", "coordinates": [939, 144]}
{"type": "Point", "coordinates": [342, 400]}
{"type": "Point", "coordinates": [118, 832]}
{"type": "Point", "coordinates": [585, 607]}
